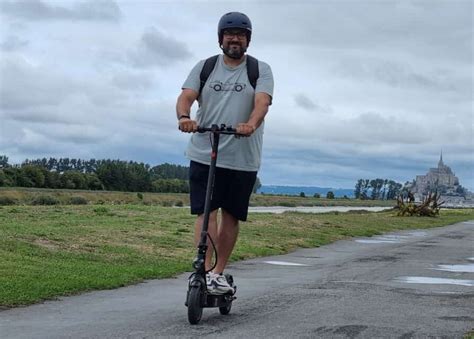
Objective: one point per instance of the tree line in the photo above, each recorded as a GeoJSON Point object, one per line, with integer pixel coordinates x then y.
{"type": "Point", "coordinates": [377, 189]}
{"type": "Point", "coordinates": [92, 174]}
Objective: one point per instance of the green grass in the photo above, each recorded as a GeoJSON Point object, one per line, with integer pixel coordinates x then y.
{"type": "Point", "coordinates": [49, 251]}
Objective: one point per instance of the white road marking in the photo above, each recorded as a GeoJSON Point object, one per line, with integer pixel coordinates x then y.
{"type": "Point", "coordinates": [284, 263]}
{"type": "Point", "coordinates": [468, 268]}
{"type": "Point", "coordinates": [429, 280]}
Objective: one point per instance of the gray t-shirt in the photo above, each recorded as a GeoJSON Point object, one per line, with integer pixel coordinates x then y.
{"type": "Point", "coordinates": [228, 98]}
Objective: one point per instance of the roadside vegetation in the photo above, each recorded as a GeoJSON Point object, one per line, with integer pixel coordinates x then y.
{"type": "Point", "coordinates": [48, 251]}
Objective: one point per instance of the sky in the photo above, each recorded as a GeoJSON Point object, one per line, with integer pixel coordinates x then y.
{"type": "Point", "coordinates": [363, 89]}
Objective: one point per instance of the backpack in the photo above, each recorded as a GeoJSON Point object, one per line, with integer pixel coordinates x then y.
{"type": "Point", "coordinates": [210, 63]}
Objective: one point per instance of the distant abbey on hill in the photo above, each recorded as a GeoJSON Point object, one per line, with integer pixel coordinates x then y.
{"type": "Point", "coordinates": [442, 180]}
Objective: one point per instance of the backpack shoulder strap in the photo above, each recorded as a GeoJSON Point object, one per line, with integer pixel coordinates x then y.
{"type": "Point", "coordinates": [252, 70]}
{"type": "Point", "coordinates": [206, 70]}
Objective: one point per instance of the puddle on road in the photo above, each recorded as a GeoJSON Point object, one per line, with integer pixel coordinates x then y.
{"type": "Point", "coordinates": [284, 263]}
{"type": "Point", "coordinates": [390, 239]}
{"type": "Point", "coordinates": [436, 281]}
{"type": "Point", "coordinates": [377, 241]}
{"type": "Point", "coordinates": [467, 268]}
{"type": "Point", "coordinates": [418, 234]}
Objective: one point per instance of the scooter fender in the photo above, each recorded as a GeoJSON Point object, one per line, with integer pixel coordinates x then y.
{"type": "Point", "coordinates": [197, 281]}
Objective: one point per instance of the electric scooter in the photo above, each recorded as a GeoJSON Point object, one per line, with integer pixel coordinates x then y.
{"type": "Point", "coordinates": [197, 296]}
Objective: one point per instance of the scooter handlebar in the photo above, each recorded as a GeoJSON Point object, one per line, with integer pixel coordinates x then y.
{"type": "Point", "coordinates": [222, 129]}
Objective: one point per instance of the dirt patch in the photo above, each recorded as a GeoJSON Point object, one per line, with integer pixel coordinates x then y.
{"type": "Point", "coordinates": [46, 243]}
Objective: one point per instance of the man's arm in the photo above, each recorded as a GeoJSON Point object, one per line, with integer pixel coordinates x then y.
{"type": "Point", "coordinates": [262, 102]}
{"type": "Point", "coordinates": [183, 110]}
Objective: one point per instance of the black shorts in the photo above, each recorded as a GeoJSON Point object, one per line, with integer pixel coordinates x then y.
{"type": "Point", "coordinates": [232, 189]}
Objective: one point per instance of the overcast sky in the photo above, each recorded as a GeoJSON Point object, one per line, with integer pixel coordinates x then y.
{"type": "Point", "coordinates": [363, 89]}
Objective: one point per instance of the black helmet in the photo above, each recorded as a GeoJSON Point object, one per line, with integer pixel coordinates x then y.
{"type": "Point", "coordinates": [234, 20]}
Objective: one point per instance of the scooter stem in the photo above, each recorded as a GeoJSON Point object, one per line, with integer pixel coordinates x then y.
{"type": "Point", "coordinates": [199, 262]}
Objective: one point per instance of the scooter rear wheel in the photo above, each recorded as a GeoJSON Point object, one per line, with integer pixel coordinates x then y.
{"type": "Point", "coordinates": [194, 305]}
{"type": "Point", "coordinates": [224, 310]}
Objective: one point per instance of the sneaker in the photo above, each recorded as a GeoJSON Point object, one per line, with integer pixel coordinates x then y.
{"type": "Point", "coordinates": [209, 277]}
{"type": "Point", "coordinates": [219, 285]}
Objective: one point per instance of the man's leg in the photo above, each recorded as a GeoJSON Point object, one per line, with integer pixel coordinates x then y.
{"type": "Point", "coordinates": [227, 233]}
{"type": "Point", "coordinates": [212, 230]}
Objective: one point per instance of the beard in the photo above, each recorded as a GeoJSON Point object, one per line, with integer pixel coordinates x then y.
{"type": "Point", "coordinates": [234, 52]}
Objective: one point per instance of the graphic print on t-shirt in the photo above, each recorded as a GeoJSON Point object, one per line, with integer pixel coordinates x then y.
{"type": "Point", "coordinates": [227, 86]}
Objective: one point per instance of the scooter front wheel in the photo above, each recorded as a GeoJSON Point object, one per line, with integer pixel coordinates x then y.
{"type": "Point", "coordinates": [194, 304]}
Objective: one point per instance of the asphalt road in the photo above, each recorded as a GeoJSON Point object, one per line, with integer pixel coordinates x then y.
{"type": "Point", "coordinates": [411, 284]}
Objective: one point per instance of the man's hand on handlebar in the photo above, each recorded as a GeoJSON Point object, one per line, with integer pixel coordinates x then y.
{"type": "Point", "coordinates": [187, 125]}
{"type": "Point", "coordinates": [245, 129]}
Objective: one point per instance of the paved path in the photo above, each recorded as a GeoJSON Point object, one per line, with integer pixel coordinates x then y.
{"type": "Point", "coordinates": [411, 284]}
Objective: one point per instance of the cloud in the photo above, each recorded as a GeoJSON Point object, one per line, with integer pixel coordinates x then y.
{"type": "Point", "coordinates": [36, 10]}
{"type": "Point", "coordinates": [13, 43]}
{"type": "Point", "coordinates": [401, 75]}
{"type": "Point", "coordinates": [41, 88]}
{"type": "Point", "coordinates": [157, 49]}
{"type": "Point", "coordinates": [425, 29]}
{"type": "Point", "coordinates": [131, 81]}
{"type": "Point", "coordinates": [29, 85]}
{"type": "Point", "coordinates": [304, 102]}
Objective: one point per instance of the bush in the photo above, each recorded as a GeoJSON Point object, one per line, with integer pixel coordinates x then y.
{"type": "Point", "coordinates": [78, 200]}
{"type": "Point", "coordinates": [167, 203]}
{"type": "Point", "coordinates": [45, 200]}
{"type": "Point", "coordinates": [101, 210]}
{"type": "Point", "coordinates": [140, 196]}
{"type": "Point", "coordinates": [179, 203]}
{"type": "Point", "coordinates": [5, 201]}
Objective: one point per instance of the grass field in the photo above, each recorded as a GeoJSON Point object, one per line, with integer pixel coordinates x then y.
{"type": "Point", "coordinates": [27, 196]}
{"type": "Point", "coordinates": [49, 251]}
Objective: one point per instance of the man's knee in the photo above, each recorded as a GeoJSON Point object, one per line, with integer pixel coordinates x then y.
{"type": "Point", "coordinates": [212, 216]}
{"type": "Point", "coordinates": [229, 218]}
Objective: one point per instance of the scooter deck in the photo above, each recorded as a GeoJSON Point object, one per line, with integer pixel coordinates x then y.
{"type": "Point", "coordinates": [214, 300]}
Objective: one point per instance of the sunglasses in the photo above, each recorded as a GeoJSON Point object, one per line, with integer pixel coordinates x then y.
{"type": "Point", "coordinates": [239, 34]}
